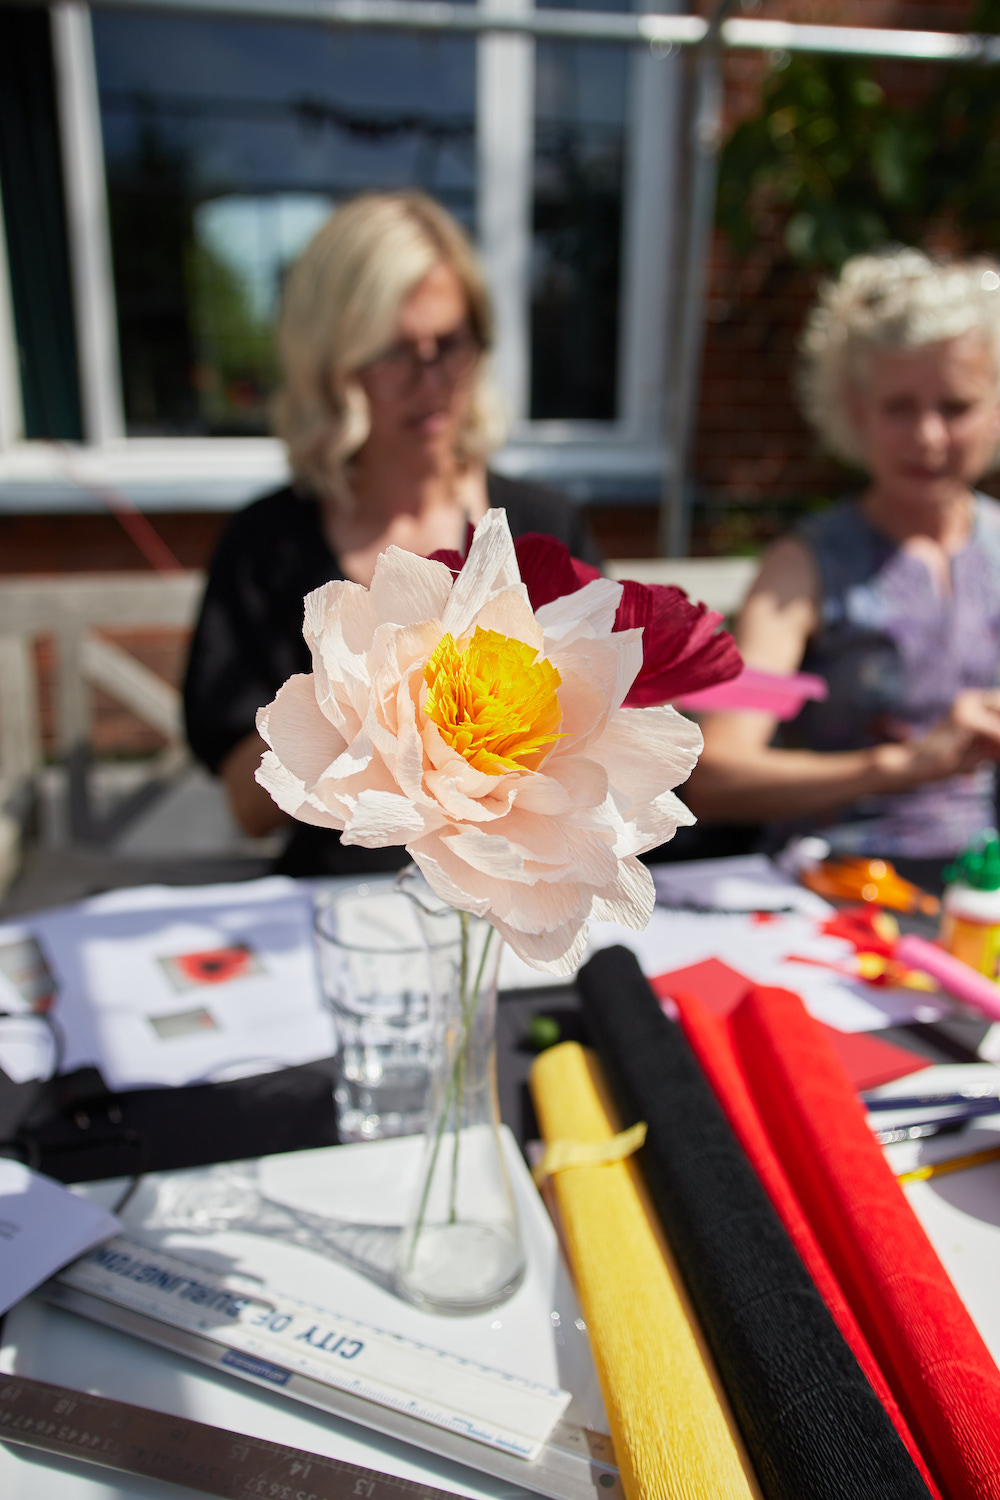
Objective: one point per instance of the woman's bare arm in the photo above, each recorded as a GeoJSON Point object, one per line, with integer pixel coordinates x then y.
{"type": "Point", "coordinates": [254, 809]}
{"type": "Point", "coordinates": [741, 778]}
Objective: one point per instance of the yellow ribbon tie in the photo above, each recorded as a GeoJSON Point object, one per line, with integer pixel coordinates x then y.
{"type": "Point", "coordinates": [562, 1154]}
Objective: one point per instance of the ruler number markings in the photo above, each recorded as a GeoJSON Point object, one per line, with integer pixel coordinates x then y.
{"type": "Point", "coordinates": [137, 1440]}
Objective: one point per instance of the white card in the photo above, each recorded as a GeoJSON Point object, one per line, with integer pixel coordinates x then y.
{"type": "Point", "coordinates": [42, 1226]}
{"type": "Point", "coordinates": [159, 986]}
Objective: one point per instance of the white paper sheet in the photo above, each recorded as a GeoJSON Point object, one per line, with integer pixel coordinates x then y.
{"type": "Point", "coordinates": [745, 882]}
{"type": "Point", "coordinates": [761, 950]}
{"type": "Point", "coordinates": [172, 986]}
{"type": "Point", "coordinates": [28, 1047]}
{"type": "Point", "coordinates": [42, 1226]}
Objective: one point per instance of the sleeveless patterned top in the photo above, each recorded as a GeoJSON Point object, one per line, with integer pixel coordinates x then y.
{"type": "Point", "coordinates": [894, 650]}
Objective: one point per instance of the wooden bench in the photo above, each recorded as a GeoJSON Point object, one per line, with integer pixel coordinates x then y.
{"type": "Point", "coordinates": [73, 608]}
{"type": "Point", "coordinates": [719, 582]}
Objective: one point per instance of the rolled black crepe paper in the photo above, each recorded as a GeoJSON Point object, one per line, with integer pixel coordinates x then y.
{"type": "Point", "coordinates": [813, 1426]}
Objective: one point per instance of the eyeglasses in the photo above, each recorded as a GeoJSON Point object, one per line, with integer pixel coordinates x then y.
{"type": "Point", "coordinates": [399, 369]}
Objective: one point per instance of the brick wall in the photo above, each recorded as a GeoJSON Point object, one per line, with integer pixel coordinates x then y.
{"type": "Point", "coordinates": [98, 543]}
{"type": "Point", "coordinates": [752, 450]}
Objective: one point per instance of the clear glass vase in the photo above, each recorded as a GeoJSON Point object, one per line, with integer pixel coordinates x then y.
{"type": "Point", "coordinates": [461, 1250]}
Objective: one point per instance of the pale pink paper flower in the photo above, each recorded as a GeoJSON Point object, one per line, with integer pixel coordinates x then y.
{"type": "Point", "coordinates": [537, 829]}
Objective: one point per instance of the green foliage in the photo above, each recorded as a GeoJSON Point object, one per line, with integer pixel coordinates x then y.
{"type": "Point", "coordinates": [827, 152]}
{"type": "Point", "coordinates": [847, 169]}
{"type": "Point", "coordinates": [963, 168]}
{"type": "Point", "coordinates": [236, 358]}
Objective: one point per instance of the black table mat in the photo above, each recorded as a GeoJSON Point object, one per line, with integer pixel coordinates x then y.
{"type": "Point", "coordinates": [75, 1130]}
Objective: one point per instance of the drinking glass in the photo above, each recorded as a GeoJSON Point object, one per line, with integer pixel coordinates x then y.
{"type": "Point", "coordinates": [377, 976]}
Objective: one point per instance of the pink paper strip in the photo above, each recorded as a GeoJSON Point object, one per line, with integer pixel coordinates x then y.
{"type": "Point", "coordinates": [777, 693]}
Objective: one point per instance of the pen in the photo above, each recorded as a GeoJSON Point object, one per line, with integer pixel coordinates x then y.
{"type": "Point", "coordinates": [988, 1097]}
{"type": "Point", "coordinates": [955, 1164]}
{"type": "Point", "coordinates": [933, 1124]}
{"type": "Point", "coordinates": [920, 1130]}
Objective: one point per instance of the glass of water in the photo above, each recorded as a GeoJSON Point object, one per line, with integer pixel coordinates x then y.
{"type": "Point", "coordinates": [379, 975]}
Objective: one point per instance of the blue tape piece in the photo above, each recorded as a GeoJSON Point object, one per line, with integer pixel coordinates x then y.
{"type": "Point", "coordinates": [258, 1367]}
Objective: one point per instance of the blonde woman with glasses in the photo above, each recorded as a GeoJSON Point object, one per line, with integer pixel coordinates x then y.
{"type": "Point", "coordinates": [388, 415]}
{"type": "Point", "coordinates": [893, 594]}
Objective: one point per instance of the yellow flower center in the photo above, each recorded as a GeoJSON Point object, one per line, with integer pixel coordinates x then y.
{"type": "Point", "coordinates": [493, 701]}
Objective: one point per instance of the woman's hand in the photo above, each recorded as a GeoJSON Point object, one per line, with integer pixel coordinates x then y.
{"type": "Point", "coordinates": [978, 710]}
{"type": "Point", "coordinates": [252, 808]}
{"type": "Point", "coordinates": [741, 777]}
{"type": "Point", "coordinates": [968, 738]}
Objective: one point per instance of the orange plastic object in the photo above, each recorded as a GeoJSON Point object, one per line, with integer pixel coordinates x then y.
{"type": "Point", "coordinates": [869, 880]}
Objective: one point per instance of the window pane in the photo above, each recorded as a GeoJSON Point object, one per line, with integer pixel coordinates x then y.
{"type": "Point", "coordinates": [35, 224]}
{"type": "Point", "coordinates": [580, 142]}
{"type": "Point", "coordinates": [226, 144]}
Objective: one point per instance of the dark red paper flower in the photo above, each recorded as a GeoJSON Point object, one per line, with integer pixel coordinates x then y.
{"type": "Point", "coordinates": [683, 650]}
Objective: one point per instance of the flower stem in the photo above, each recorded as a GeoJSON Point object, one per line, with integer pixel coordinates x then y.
{"type": "Point", "coordinates": [454, 1098]}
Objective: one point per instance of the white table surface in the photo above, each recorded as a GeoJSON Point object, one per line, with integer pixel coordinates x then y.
{"type": "Point", "coordinates": [63, 1348]}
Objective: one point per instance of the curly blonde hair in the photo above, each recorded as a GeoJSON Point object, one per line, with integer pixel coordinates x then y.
{"type": "Point", "coordinates": [897, 299]}
{"type": "Point", "coordinates": [339, 310]}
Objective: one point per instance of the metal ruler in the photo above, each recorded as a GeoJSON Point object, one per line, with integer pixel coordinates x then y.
{"type": "Point", "coordinates": [575, 1463]}
{"type": "Point", "coordinates": [135, 1440]}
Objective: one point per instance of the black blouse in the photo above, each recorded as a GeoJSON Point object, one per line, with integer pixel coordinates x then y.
{"type": "Point", "coordinates": [248, 639]}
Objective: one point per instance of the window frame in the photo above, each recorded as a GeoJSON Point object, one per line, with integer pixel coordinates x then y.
{"type": "Point", "coordinates": [11, 403]}
{"type": "Point", "coordinates": [586, 457]}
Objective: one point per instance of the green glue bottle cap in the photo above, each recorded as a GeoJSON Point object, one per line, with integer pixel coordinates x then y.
{"type": "Point", "coordinates": [978, 867]}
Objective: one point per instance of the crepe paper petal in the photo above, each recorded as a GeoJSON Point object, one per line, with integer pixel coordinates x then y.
{"type": "Point", "coordinates": [383, 818]}
{"type": "Point", "coordinates": [559, 953]}
{"type": "Point", "coordinates": [637, 739]}
{"type": "Point", "coordinates": [490, 566]}
{"type": "Point", "coordinates": [780, 694]}
{"type": "Point", "coordinates": [589, 611]}
{"type": "Point", "coordinates": [547, 568]}
{"type": "Point", "coordinates": [683, 648]}
{"type": "Point", "coordinates": [407, 589]}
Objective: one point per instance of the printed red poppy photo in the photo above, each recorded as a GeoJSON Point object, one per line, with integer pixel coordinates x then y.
{"type": "Point", "coordinates": [211, 966]}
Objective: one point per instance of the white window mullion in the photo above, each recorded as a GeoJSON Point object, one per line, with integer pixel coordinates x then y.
{"type": "Point", "coordinates": [11, 404]}
{"type": "Point", "coordinates": [650, 200]}
{"type": "Point", "coordinates": [87, 217]}
{"type": "Point", "coordinates": [505, 139]}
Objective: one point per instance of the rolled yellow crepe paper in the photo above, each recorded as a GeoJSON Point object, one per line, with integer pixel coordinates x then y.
{"type": "Point", "coordinates": [674, 1435]}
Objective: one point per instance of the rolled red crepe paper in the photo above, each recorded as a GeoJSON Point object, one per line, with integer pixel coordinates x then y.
{"type": "Point", "coordinates": [711, 1042]}
{"type": "Point", "coordinates": [814, 1428]}
{"type": "Point", "coordinates": [917, 1325]}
